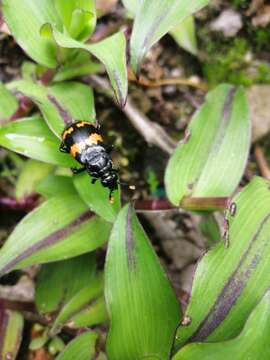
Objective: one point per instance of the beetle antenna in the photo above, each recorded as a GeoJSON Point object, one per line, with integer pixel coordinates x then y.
{"type": "Point", "coordinates": [131, 187]}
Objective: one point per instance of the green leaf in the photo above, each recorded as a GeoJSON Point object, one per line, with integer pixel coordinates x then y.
{"type": "Point", "coordinates": [33, 171]}
{"type": "Point", "coordinates": [59, 281]}
{"type": "Point", "coordinates": [153, 20]}
{"type": "Point", "coordinates": [211, 161]}
{"type": "Point", "coordinates": [82, 347]}
{"type": "Point", "coordinates": [111, 52]}
{"type": "Point", "coordinates": [78, 16]}
{"type": "Point", "coordinates": [252, 343]}
{"type": "Point", "coordinates": [97, 197]}
{"type": "Point", "coordinates": [56, 185]}
{"type": "Point", "coordinates": [94, 314]}
{"type": "Point", "coordinates": [142, 306]}
{"type": "Point", "coordinates": [31, 137]}
{"type": "Point", "coordinates": [8, 103]}
{"type": "Point", "coordinates": [229, 282]}
{"type": "Point", "coordinates": [184, 35]}
{"type": "Point", "coordinates": [80, 65]}
{"type": "Point", "coordinates": [79, 302]}
{"type": "Point", "coordinates": [74, 101]}
{"type": "Point", "coordinates": [11, 328]}
{"type": "Point", "coordinates": [24, 19]}
{"type": "Point", "coordinates": [60, 228]}
{"type": "Point", "coordinates": [210, 229]}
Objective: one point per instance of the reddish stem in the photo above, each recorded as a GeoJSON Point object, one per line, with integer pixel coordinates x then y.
{"type": "Point", "coordinates": [47, 76]}
{"type": "Point", "coordinates": [205, 203]}
{"type": "Point", "coordinates": [25, 105]}
{"type": "Point", "coordinates": [26, 204]}
{"type": "Point", "coordinates": [153, 204]}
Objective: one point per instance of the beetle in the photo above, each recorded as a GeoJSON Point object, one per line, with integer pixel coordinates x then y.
{"type": "Point", "coordinates": [83, 141]}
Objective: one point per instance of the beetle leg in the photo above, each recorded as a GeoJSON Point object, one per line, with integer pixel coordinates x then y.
{"type": "Point", "coordinates": [109, 148]}
{"type": "Point", "coordinates": [77, 171]}
{"type": "Point", "coordinates": [93, 180]}
{"type": "Point", "coordinates": [63, 147]}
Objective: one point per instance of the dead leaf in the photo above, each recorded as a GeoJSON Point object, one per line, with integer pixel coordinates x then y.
{"type": "Point", "coordinates": [258, 98]}
{"type": "Point", "coordinates": [262, 18]}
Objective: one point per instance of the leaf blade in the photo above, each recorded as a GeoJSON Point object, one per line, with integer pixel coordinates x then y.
{"type": "Point", "coordinates": [248, 345]}
{"type": "Point", "coordinates": [97, 197]}
{"type": "Point", "coordinates": [238, 269]}
{"type": "Point", "coordinates": [60, 228]}
{"type": "Point", "coordinates": [131, 260]}
{"type": "Point", "coordinates": [25, 27]}
{"type": "Point", "coordinates": [59, 103]}
{"type": "Point", "coordinates": [11, 328]}
{"type": "Point", "coordinates": [111, 52]}
{"type": "Point", "coordinates": [32, 138]}
{"type": "Point", "coordinates": [82, 347]}
{"type": "Point", "coordinates": [153, 20]}
{"type": "Point", "coordinates": [218, 145]}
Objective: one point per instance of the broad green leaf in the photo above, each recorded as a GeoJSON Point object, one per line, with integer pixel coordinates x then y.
{"type": "Point", "coordinates": [59, 281]}
{"type": "Point", "coordinates": [24, 19]}
{"type": "Point", "coordinates": [252, 343]}
{"type": "Point", "coordinates": [80, 65]}
{"type": "Point", "coordinates": [75, 101]}
{"type": "Point", "coordinates": [97, 197]}
{"type": "Point", "coordinates": [111, 52]}
{"type": "Point", "coordinates": [78, 16]}
{"type": "Point", "coordinates": [141, 304]}
{"type": "Point", "coordinates": [56, 185]}
{"type": "Point", "coordinates": [82, 347]}
{"type": "Point", "coordinates": [209, 227]}
{"type": "Point", "coordinates": [211, 161]}
{"type": "Point", "coordinates": [79, 302]}
{"type": "Point", "coordinates": [60, 228]}
{"type": "Point", "coordinates": [8, 103]}
{"type": "Point", "coordinates": [229, 282]}
{"type": "Point", "coordinates": [32, 137]}
{"type": "Point", "coordinates": [184, 35]}
{"type": "Point", "coordinates": [153, 19]}
{"type": "Point", "coordinates": [94, 314]}
{"type": "Point", "coordinates": [11, 328]}
{"type": "Point", "coordinates": [32, 172]}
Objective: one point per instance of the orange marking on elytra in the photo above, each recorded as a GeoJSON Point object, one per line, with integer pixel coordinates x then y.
{"type": "Point", "coordinates": [82, 123]}
{"type": "Point", "coordinates": [94, 139]}
{"type": "Point", "coordinates": [67, 132]}
{"type": "Point", "coordinates": [74, 149]}
{"type": "Point", "coordinates": [79, 147]}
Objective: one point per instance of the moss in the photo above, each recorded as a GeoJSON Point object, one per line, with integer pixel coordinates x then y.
{"type": "Point", "coordinates": [226, 63]}
{"type": "Point", "coordinates": [261, 38]}
{"type": "Point", "coordinates": [240, 4]}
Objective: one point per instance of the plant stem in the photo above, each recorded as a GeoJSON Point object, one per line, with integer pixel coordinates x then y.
{"type": "Point", "coordinates": [153, 205]}
{"type": "Point", "coordinates": [26, 204]}
{"type": "Point", "coordinates": [205, 203]}
{"type": "Point", "coordinates": [262, 162]}
{"type": "Point", "coordinates": [152, 132]}
{"type": "Point", "coordinates": [163, 82]}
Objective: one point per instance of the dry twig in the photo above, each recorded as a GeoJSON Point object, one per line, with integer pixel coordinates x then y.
{"type": "Point", "coordinates": [164, 82]}
{"type": "Point", "coordinates": [153, 133]}
{"type": "Point", "coordinates": [262, 162]}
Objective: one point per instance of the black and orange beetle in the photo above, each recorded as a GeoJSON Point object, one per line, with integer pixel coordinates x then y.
{"type": "Point", "coordinates": [83, 141]}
